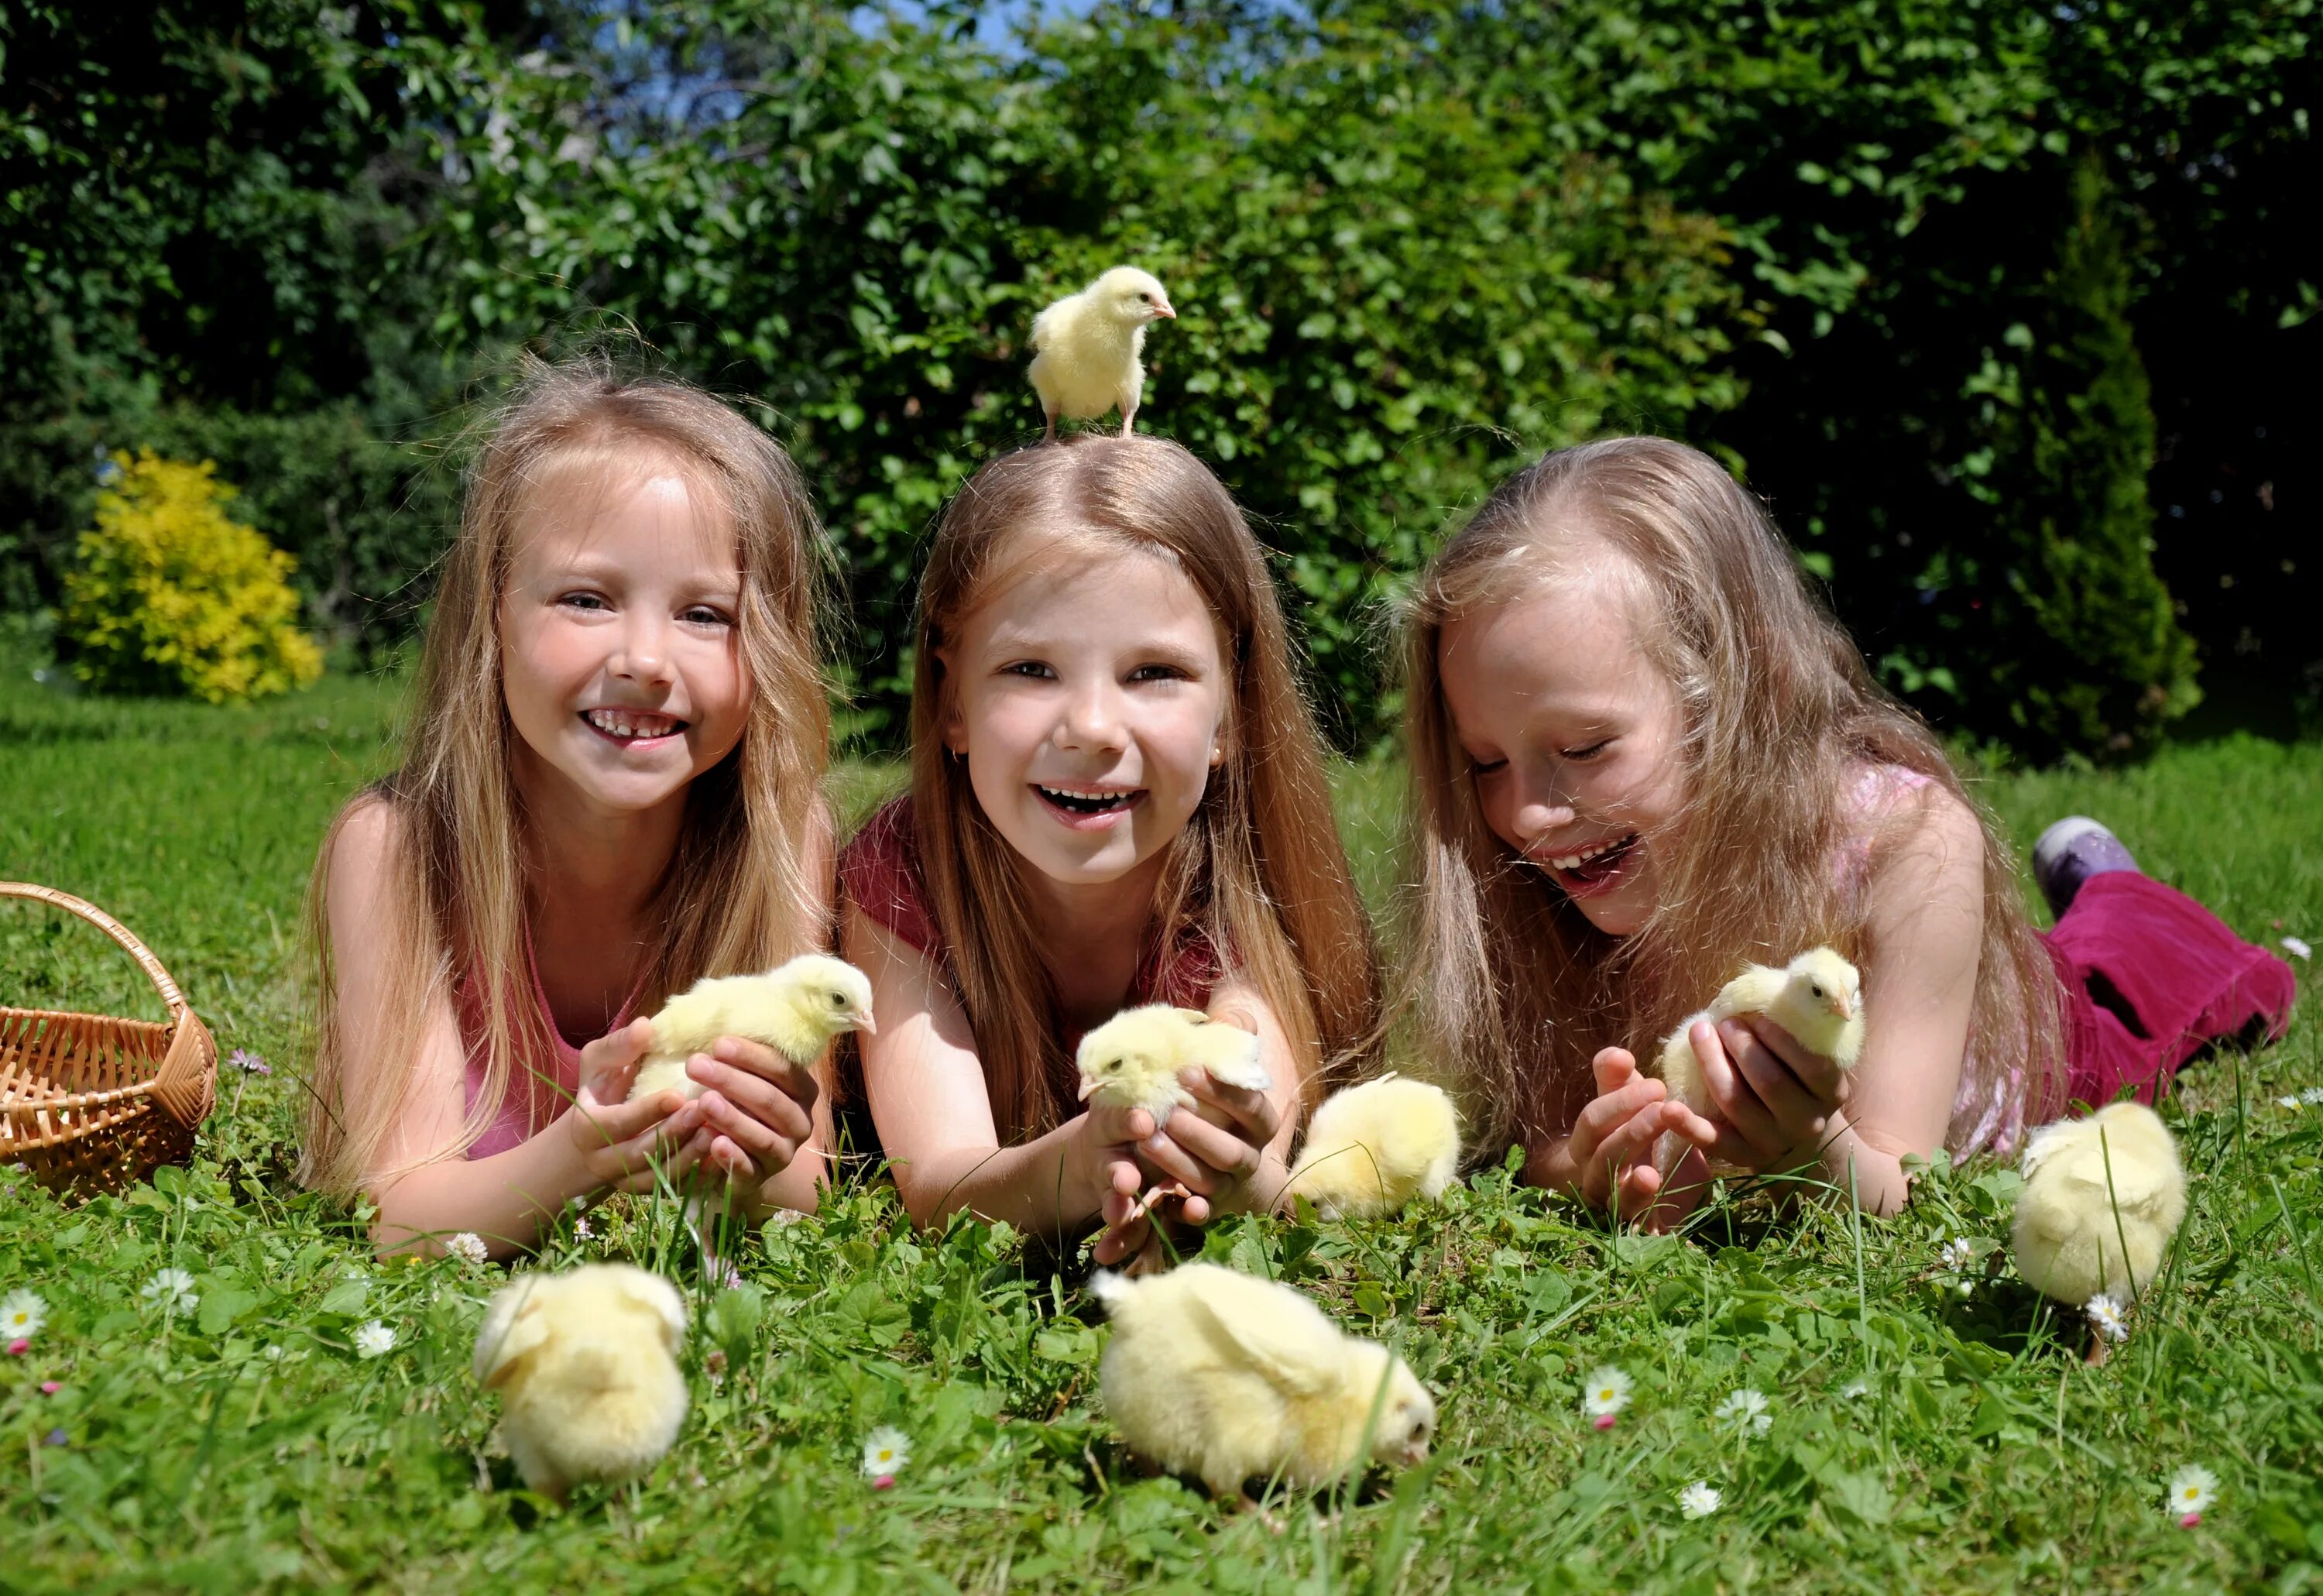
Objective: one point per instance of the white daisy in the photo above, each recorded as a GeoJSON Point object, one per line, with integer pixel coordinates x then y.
{"type": "Point", "coordinates": [2312, 1096]}
{"type": "Point", "coordinates": [1853, 1388]}
{"type": "Point", "coordinates": [2111, 1319]}
{"type": "Point", "coordinates": [885, 1451]}
{"type": "Point", "coordinates": [1606, 1393]}
{"type": "Point", "coordinates": [22, 1313]}
{"type": "Point", "coordinates": [1746, 1410]}
{"type": "Point", "coordinates": [173, 1288]}
{"type": "Point", "coordinates": [2192, 1489]}
{"type": "Point", "coordinates": [2286, 1102]}
{"type": "Point", "coordinates": [1699, 1500]}
{"type": "Point", "coordinates": [2298, 945]}
{"type": "Point", "coordinates": [1958, 1254]}
{"type": "Point", "coordinates": [467, 1246]}
{"type": "Point", "coordinates": [374, 1339]}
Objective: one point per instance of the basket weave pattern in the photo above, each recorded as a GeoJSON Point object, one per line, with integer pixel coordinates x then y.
{"type": "Point", "coordinates": [90, 1102]}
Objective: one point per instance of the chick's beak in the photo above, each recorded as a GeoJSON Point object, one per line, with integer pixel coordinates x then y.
{"type": "Point", "coordinates": [1842, 1005]}
{"type": "Point", "coordinates": [1163, 309]}
{"type": "Point", "coordinates": [1088, 1084]}
{"type": "Point", "coordinates": [864, 1022]}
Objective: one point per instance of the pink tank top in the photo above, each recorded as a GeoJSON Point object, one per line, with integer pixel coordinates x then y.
{"type": "Point", "coordinates": [538, 1089]}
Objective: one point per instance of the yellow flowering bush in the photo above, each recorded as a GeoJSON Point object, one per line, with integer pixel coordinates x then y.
{"type": "Point", "coordinates": [172, 595]}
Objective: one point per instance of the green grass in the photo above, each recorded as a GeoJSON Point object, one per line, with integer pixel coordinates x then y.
{"type": "Point", "coordinates": [1984, 1455]}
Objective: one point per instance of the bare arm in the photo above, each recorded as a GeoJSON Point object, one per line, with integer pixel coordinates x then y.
{"type": "Point", "coordinates": [933, 1111]}
{"type": "Point", "coordinates": [506, 1199]}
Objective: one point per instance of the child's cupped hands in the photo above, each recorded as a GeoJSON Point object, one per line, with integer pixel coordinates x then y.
{"type": "Point", "coordinates": [1775, 1095]}
{"type": "Point", "coordinates": [627, 1146]}
{"type": "Point", "coordinates": [1608, 1157]}
{"type": "Point", "coordinates": [1215, 1149]}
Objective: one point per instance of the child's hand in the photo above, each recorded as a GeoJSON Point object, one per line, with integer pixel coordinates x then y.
{"type": "Point", "coordinates": [621, 1143]}
{"type": "Point", "coordinates": [758, 1108]}
{"type": "Point", "coordinates": [1610, 1151]}
{"type": "Point", "coordinates": [1776, 1096]}
{"type": "Point", "coordinates": [1108, 1140]}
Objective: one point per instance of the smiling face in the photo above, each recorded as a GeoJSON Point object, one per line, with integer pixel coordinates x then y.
{"type": "Point", "coordinates": [1088, 696]}
{"type": "Point", "coordinates": [619, 660]}
{"type": "Point", "coordinates": [1575, 737]}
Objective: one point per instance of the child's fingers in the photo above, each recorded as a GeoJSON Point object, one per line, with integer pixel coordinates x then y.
{"type": "Point", "coordinates": [1822, 1079]}
{"type": "Point", "coordinates": [653, 1159]}
{"type": "Point", "coordinates": [616, 1051]}
{"type": "Point", "coordinates": [1224, 1155]}
{"type": "Point", "coordinates": [1795, 1113]}
{"type": "Point", "coordinates": [1161, 1153]}
{"type": "Point", "coordinates": [611, 1123]}
{"type": "Point", "coordinates": [1747, 1119]}
{"type": "Point", "coordinates": [1614, 1069]}
{"type": "Point", "coordinates": [1254, 1112]}
{"type": "Point", "coordinates": [756, 1059]}
{"type": "Point", "coordinates": [771, 1102]}
{"type": "Point", "coordinates": [1614, 1108]}
{"type": "Point", "coordinates": [770, 1147]}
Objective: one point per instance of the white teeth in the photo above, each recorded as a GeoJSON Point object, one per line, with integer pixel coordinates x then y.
{"type": "Point", "coordinates": [1573, 861]}
{"type": "Point", "coordinates": [621, 723]}
{"type": "Point", "coordinates": [1085, 795]}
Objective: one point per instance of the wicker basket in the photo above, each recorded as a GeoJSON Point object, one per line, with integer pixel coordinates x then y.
{"type": "Point", "coordinates": [89, 1102]}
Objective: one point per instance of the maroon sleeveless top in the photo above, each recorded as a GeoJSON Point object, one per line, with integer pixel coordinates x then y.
{"type": "Point", "coordinates": [879, 874]}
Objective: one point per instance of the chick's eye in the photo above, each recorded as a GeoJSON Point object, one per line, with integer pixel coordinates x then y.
{"type": "Point", "coordinates": [1816, 987]}
{"type": "Point", "coordinates": [839, 1000]}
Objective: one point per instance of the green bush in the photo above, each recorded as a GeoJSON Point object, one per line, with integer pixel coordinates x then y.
{"type": "Point", "coordinates": [173, 596]}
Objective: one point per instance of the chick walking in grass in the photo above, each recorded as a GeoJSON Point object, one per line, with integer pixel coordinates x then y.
{"type": "Point", "coordinates": [586, 1366]}
{"type": "Point", "coordinates": [1817, 997]}
{"type": "Point", "coordinates": [1086, 348]}
{"type": "Point", "coordinates": [1232, 1379]}
{"type": "Point", "coordinates": [1376, 1146]}
{"type": "Point", "coordinates": [2102, 1198]}
{"type": "Point", "coordinates": [794, 1009]}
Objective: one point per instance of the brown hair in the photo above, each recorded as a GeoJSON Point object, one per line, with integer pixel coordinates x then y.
{"type": "Point", "coordinates": [736, 894]}
{"type": "Point", "coordinates": [1513, 987]}
{"type": "Point", "coordinates": [1258, 867]}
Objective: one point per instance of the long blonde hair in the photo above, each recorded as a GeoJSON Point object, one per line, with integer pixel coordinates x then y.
{"type": "Point", "coordinates": [1259, 868]}
{"type": "Point", "coordinates": [1513, 988]}
{"type": "Point", "coordinates": [736, 894]}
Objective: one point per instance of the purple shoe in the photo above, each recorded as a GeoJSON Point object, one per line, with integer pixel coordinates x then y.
{"type": "Point", "coordinates": [2071, 851]}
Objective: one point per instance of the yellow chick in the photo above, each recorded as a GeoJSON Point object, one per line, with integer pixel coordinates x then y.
{"type": "Point", "coordinates": [1817, 997]}
{"type": "Point", "coordinates": [2071, 1220]}
{"type": "Point", "coordinates": [586, 1365]}
{"type": "Point", "coordinates": [795, 1009]}
{"type": "Point", "coordinates": [1086, 348]}
{"type": "Point", "coordinates": [1133, 1059]}
{"type": "Point", "coordinates": [1229, 1379]}
{"type": "Point", "coordinates": [1375, 1146]}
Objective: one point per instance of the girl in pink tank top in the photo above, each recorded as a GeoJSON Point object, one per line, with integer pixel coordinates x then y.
{"type": "Point", "coordinates": [1644, 755]}
{"type": "Point", "coordinates": [609, 792]}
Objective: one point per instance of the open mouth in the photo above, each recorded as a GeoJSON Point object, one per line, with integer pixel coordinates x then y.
{"type": "Point", "coordinates": [1587, 871]}
{"type": "Point", "coordinates": [629, 727]}
{"type": "Point", "coordinates": [1087, 802]}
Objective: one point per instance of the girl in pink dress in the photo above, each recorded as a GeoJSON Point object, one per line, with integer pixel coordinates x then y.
{"type": "Point", "coordinates": [1644, 755]}
{"type": "Point", "coordinates": [608, 790]}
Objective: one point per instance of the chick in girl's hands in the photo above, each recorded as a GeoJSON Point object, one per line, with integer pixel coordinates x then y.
{"type": "Point", "coordinates": [2091, 1186]}
{"type": "Point", "coordinates": [586, 1365]}
{"type": "Point", "coordinates": [1133, 1060]}
{"type": "Point", "coordinates": [795, 1008]}
{"type": "Point", "coordinates": [1817, 997]}
{"type": "Point", "coordinates": [1375, 1146]}
{"type": "Point", "coordinates": [1229, 1379]}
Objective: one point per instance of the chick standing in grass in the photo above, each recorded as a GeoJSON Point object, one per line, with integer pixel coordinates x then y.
{"type": "Point", "coordinates": [586, 1364]}
{"type": "Point", "coordinates": [1817, 997]}
{"type": "Point", "coordinates": [1374, 1147]}
{"type": "Point", "coordinates": [2092, 1186]}
{"type": "Point", "coordinates": [1230, 1378]}
{"type": "Point", "coordinates": [795, 1009]}
{"type": "Point", "coordinates": [1086, 348]}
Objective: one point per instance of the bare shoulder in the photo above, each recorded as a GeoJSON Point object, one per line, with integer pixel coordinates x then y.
{"type": "Point", "coordinates": [361, 854]}
{"type": "Point", "coordinates": [1935, 856]}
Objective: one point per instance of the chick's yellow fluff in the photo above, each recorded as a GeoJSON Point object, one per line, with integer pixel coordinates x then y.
{"type": "Point", "coordinates": [1230, 1378]}
{"type": "Point", "coordinates": [2072, 1220]}
{"type": "Point", "coordinates": [1133, 1059]}
{"type": "Point", "coordinates": [586, 1366]}
{"type": "Point", "coordinates": [1817, 997]}
{"type": "Point", "coordinates": [795, 1009]}
{"type": "Point", "coordinates": [1087, 347]}
{"type": "Point", "coordinates": [1374, 1147]}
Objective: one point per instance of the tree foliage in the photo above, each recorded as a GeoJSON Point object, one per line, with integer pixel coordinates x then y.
{"type": "Point", "coordinates": [1938, 275]}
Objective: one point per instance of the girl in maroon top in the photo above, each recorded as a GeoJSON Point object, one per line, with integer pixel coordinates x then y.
{"type": "Point", "coordinates": [1117, 797]}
